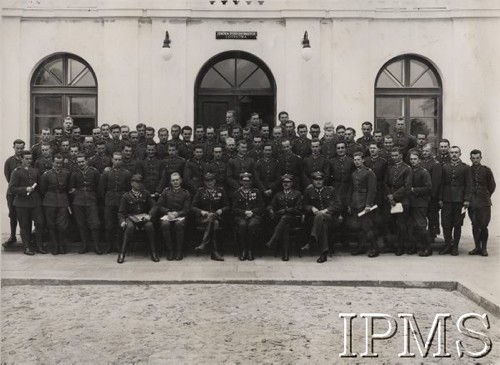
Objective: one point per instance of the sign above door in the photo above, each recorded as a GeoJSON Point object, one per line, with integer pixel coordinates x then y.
{"type": "Point", "coordinates": [235, 35]}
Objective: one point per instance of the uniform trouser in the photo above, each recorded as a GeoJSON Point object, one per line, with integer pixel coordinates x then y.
{"type": "Point", "coordinates": [364, 225]}
{"type": "Point", "coordinates": [433, 216]}
{"type": "Point", "coordinates": [25, 216]}
{"type": "Point", "coordinates": [167, 229]}
{"type": "Point", "coordinates": [322, 222]}
{"type": "Point", "coordinates": [282, 231]}
{"type": "Point", "coordinates": [12, 214]}
{"type": "Point", "coordinates": [398, 226]}
{"type": "Point", "coordinates": [452, 220]}
{"type": "Point", "coordinates": [248, 231]}
{"type": "Point", "coordinates": [112, 233]}
{"type": "Point", "coordinates": [210, 226]}
{"type": "Point", "coordinates": [480, 218]}
{"type": "Point", "coordinates": [87, 218]}
{"type": "Point", "coordinates": [130, 229]}
{"type": "Point", "coordinates": [418, 225]}
{"type": "Point", "coordinates": [57, 220]}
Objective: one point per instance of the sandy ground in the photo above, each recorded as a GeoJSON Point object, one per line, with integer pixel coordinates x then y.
{"type": "Point", "coordinates": [137, 324]}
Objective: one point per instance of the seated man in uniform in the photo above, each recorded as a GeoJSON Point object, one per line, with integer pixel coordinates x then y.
{"type": "Point", "coordinates": [248, 207]}
{"type": "Point", "coordinates": [286, 207]}
{"type": "Point", "coordinates": [209, 205]}
{"type": "Point", "coordinates": [136, 208]}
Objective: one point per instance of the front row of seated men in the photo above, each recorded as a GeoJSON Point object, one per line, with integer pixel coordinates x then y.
{"type": "Point", "coordinates": [45, 201]}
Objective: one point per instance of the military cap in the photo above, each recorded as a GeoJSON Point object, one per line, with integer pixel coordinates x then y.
{"type": "Point", "coordinates": [209, 176]}
{"type": "Point", "coordinates": [317, 175]}
{"type": "Point", "coordinates": [136, 177]}
{"type": "Point", "coordinates": [287, 177]}
{"type": "Point", "coordinates": [246, 176]}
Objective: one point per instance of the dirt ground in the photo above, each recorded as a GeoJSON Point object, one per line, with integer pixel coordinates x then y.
{"type": "Point", "coordinates": [158, 324]}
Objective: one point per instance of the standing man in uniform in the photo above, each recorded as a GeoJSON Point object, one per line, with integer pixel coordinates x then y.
{"type": "Point", "coordinates": [151, 169]}
{"type": "Point", "coordinates": [36, 149]}
{"type": "Point", "coordinates": [302, 145]}
{"type": "Point", "coordinates": [436, 171]}
{"type": "Point", "coordinates": [12, 163]}
{"type": "Point", "coordinates": [285, 209]}
{"type": "Point", "coordinates": [483, 186]}
{"type": "Point", "coordinates": [44, 162]}
{"type": "Point", "coordinates": [267, 177]}
{"type": "Point", "coordinates": [363, 193]}
{"type": "Point", "coordinates": [83, 184]}
{"type": "Point", "coordinates": [115, 144]}
{"type": "Point", "coordinates": [54, 186]}
{"type": "Point", "coordinates": [402, 139]}
{"type": "Point", "coordinates": [218, 167]}
{"type": "Point", "coordinates": [194, 169]}
{"type": "Point", "coordinates": [366, 128]}
{"type": "Point", "coordinates": [173, 163]}
{"type": "Point", "coordinates": [237, 165]}
{"type": "Point", "coordinates": [315, 162]}
{"type": "Point", "coordinates": [444, 151]}
{"type": "Point", "coordinates": [23, 186]}
{"type": "Point", "coordinates": [290, 163]}
{"type": "Point", "coordinates": [323, 207]}
{"type": "Point", "coordinates": [210, 204]}
{"type": "Point", "coordinates": [455, 196]}
{"type": "Point", "coordinates": [248, 207]}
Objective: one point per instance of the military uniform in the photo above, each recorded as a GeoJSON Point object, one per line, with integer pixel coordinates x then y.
{"type": "Point", "coordinates": [341, 169]}
{"type": "Point", "coordinates": [291, 164]}
{"type": "Point", "coordinates": [114, 145]}
{"type": "Point", "coordinates": [172, 164]}
{"type": "Point", "coordinates": [420, 195]}
{"type": "Point", "coordinates": [219, 168]}
{"type": "Point", "coordinates": [398, 184]}
{"type": "Point", "coordinates": [43, 164]}
{"type": "Point", "coordinates": [302, 147]}
{"type": "Point", "coordinates": [255, 154]}
{"type": "Point", "coordinates": [329, 148]}
{"type": "Point", "coordinates": [352, 148]}
{"type": "Point", "coordinates": [130, 164]}
{"type": "Point", "coordinates": [435, 170]}
{"type": "Point", "coordinates": [365, 142]}
{"type": "Point", "coordinates": [483, 186]}
{"type": "Point", "coordinates": [174, 200]}
{"type": "Point", "coordinates": [312, 164]}
{"type": "Point", "coordinates": [86, 182]}
{"type": "Point", "coordinates": [267, 175]}
{"type": "Point", "coordinates": [227, 155]}
{"type": "Point", "coordinates": [100, 162]}
{"type": "Point", "coordinates": [12, 163]}
{"type": "Point", "coordinates": [28, 206]}
{"type": "Point", "coordinates": [363, 195]}
{"type": "Point", "coordinates": [54, 186]}
{"type": "Point", "coordinates": [208, 149]}
{"type": "Point", "coordinates": [186, 149]}
{"type": "Point", "coordinates": [151, 170]}
{"type": "Point", "coordinates": [112, 185]}
{"type": "Point", "coordinates": [193, 174]}
{"type": "Point", "coordinates": [247, 228]}
{"type": "Point", "coordinates": [133, 203]}
{"type": "Point", "coordinates": [162, 150]}
{"type": "Point", "coordinates": [443, 158]}
{"type": "Point", "coordinates": [236, 166]}
{"type": "Point", "coordinates": [380, 216]}
{"type": "Point", "coordinates": [325, 197]}
{"type": "Point", "coordinates": [455, 189]}
{"type": "Point", "coordinates": [405, 142]}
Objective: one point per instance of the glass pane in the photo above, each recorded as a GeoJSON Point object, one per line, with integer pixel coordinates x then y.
{"type": "Point", "coordinates": [85, 123]}
{"type": "Point", "coordinates": [417, 68]}
{"type": "Point", "coordinates": [227, 69]}
{"type": "Point", "coordinates": [397, 71]}
{"type": "Point", "coordinates": [85, 79]}
{"type": "Point", "coordinates": [74, 69]}
{"type": "Point", "coordinates": [427, 80]}
{"type": "Point", "coordinates": [56, 69]}
{"type": "Point", "coordinates": [385, 80]}
{"type": "Point", "coordinates": [213, 80]}
{"type": "Point", "coordinates": [50, 122]}
{"type": "Point", "coordinates": [82, 105]}
{"type": "Point", "coordinates": [48, 105]}
{"type": "Point", "coordinates": [386, 125]}
{"type": "Point", "coordinates": [423, 107]}
{"type": "Point", "coordinates": [45, 78]}
{"type": "Point", "coordinates": [390, 107]}
{"type": "Point", "coordinates": [258, 80]}
{"type": "Point", "coordinates": [428, 126]}
{"type": "Point", "coordinates": [243, 69]}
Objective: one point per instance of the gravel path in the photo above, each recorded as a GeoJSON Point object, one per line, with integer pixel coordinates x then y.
{"type": "Point", "coordinates": [134, 324]}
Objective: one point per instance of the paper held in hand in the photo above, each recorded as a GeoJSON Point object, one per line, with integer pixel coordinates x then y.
{"type": "Point", "coordinates": [464, 210]}
{"type": "Point", "coordinates": [137, 218]}
{"type": "Point", "coordinates": [398, 208]}
{"type": "Point", "coordinates": [167, 218]}
{"type": "Point", "coordinates": [33, 187]}
{"type": "Point", "coordinates": [363, 212]}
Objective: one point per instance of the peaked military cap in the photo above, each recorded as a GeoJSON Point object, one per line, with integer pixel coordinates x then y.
{"type": "Point", "coordinates": [246, 176]}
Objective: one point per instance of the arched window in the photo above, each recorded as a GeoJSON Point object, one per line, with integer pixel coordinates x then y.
{"type": "Point", "coordinates": [62, 85]}
{"type": "Point", "coordinates": [234, 80]}
{"type": "Point", "coordinates": [409, 86]}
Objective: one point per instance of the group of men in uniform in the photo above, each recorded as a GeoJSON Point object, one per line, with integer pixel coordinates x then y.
{"type": "Point", "coordinates": [253, 181]}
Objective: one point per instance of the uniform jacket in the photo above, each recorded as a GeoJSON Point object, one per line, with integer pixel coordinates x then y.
{"type": "Point", "coordinates": [54, 186]}
{"type": "Point", "coordinates": [20, 179]}
{"type": "Point", "coordinates": [43, 164]}
{"type": "Point", "coordinates": [210, 200]}
{"type": "Point", "coordinates": [218, 168]}
{"type": "Point", "coordinates": [256, 155]}
{"type": "Point", "coordinates": [341, 169]}
{"type": "Point", "coordinates": [151, 170]}
{"type": "Point", "coordinates": [131, 204]}
{"type": "Point", "coordinates": [365, 142]}
{"type": "Point", "coordinates": [130, 164]}
{"type": "Point", "coordinates": [161, 150]}
{"type": "Point", "coordinates": [379, 168]}
{"type": "Point", "coordinates": [483, 186]}
{"type": "Point", "coordinates": [244, 200]}
{"type": "Point", "coordinates": [291, 164]}
{"type": "Point", "coordinates": [114, 145]}
{"type": "Point", "coordinates": [235, 167]}
{"type": "Point", "coordinates": [100, 162]}
{"type": "Point", "coordinates": [12, 163]}
{"type": "Point", "coordinates": [404, 141]}
{"type": "Point", "coordinates": [267, 174]}
{"type": "Point", "coordinates": [289, 202]}
{"type": "Point", "coordinates": [85, 184]}
{"type": "Point", "coordinates": [457, 183]}
{"type": "Point", "coordinates": [421, 188]}
{"type": "Point", "coordinates": [302, 147]}
{"type": "Point", "coordinates": [442, 159]}
{"type": "Point", "coordinates": [324, 198]}
{"type": "Point", "coordinates": [398, 182]}
{"type": "Point", "coordinates": [193, 174]}
{"type": "Point", "coordinates": [174, 200]}
{"type": "Point", "coordinates": [363, 189]}
{"type": "Point", "coordinates": [312, 164]}
{"type": "Point", "coordinates": [436, 171]}
{"type": "Point", "coordinates": [186, 149]}
{"type": "Point", "coordinates": [353, 147]}
{"type": "Point", "coordinates": [113, 184]}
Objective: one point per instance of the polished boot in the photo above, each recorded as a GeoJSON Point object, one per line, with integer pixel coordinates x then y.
{"type": "Point", "coordinates": [373, 251]}
{"type": "Point", "coordinates": [243, 255]}
{"type": "Point", "coordinates": [84, 248]}
{"type": "Point", "coordinates": [95, 238]}
{"type": "Point", "coordinates": [425, 252]}
{"type": "Point", "coordinates": [285, 256]}
{"type": "Point", "coordinates": [178, 250]}
{"type": "Point", "coordinates": [55, 245]}
{"type": "Point", "coordinates": [121, 255]}
{"type": "Point", "coordinates": [9, 242]}
{"type": "Point", "coordinates": [446, 249]}
{"type": "Point", "coordinates": [40, 248]}
{"type": "Point", "coordinates": [476, 250]}
{"type": "Point", "coordinates": [250, 256]}
{"type": "Point", "coordinates": [322, 258]}
{"type": "Point", "coordinates": [154, 254]}
{"type": "Point", "coordinates": [216, 255]}
{"type": "Point", "coordinates": [484, 251]}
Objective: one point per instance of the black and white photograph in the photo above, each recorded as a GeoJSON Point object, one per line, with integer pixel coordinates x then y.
{"type": "Point", "coordinates": [250, 181]}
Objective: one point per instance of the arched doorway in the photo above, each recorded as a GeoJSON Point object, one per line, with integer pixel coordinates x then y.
{"type": "Point", "coordinates": [234, 80]}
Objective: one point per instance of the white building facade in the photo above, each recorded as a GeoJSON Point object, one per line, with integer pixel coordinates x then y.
{"type": "Point", "coordinates": [433, 62]}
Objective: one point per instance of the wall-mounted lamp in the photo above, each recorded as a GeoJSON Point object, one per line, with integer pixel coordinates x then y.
{"type": "Point", "coordinates": [166, 51]}
{"type": "Point", "coordinates": [306, 48]}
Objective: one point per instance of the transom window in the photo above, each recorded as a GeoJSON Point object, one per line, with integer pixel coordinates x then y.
{"type": "Point", "coordinates": [63, 85]}
{"type": "Point", "coordinates": [409, 86]}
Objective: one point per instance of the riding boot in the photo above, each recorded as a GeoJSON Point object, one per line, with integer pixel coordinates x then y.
{"type": "Point", "coordinates": [484, 241]}
{"type": "Point", "coordinates": [178, 247]}
{"type": "Point", "coordinates": [207, 234]}
{"type": "Point", "coordinates": [95, 238]}
{"type": "Point", "coordinates": [457, 233]}
{"type": "Point", "coordinates": [53, 238]}
{"type": "Point", "coordinates": [216, 253]}
{"type": "Point", "coordinates": [84, 248]}
{"type": "Point", "coordinates": [476, 233]}
{"type": "Point", "coordinates": [62, 242]}
{"type": "Point", "coordinates": [154, 254]}
{"type": "Point", "coordinates": [121, 255]}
